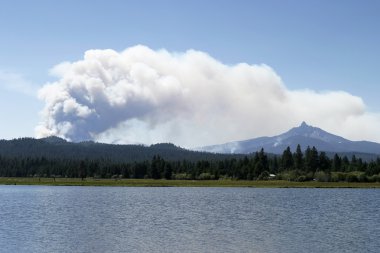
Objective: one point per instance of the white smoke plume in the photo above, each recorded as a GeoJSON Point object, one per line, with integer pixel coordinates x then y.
{"type": "Point", "coordinates": [145, 96]}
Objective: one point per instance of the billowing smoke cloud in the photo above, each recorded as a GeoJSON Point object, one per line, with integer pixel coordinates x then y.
{"type": "Point", "coordinates": [146, 96]}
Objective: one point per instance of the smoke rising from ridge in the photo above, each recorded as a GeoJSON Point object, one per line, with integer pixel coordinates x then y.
{"type": "Point", "coordinates": [141, 95]}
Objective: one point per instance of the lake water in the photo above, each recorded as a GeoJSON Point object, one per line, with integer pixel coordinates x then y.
{"type": "Point", "coordinates": [113, 219]}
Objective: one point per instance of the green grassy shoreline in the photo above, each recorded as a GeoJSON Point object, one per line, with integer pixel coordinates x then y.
{"type": "Point", "coordinates": [180, 183]}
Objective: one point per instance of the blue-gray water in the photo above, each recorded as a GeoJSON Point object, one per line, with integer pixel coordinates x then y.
{"type": "Point", "coordinates": [112, 219]}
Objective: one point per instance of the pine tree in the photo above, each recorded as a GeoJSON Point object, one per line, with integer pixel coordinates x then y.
{"type": "Point", "coordinates": [82, 170]}
{"type": "Point", "coordinates": [154, 167]}
{"type": "Point", "coordinates": [263, 159]}
{"type": "Point", "coordinates": [298, 158]}
{"type": "Point", "coordinates": [168, 171]}
{"type": "Point", "coordinates": [324, 162]}
{"type": "Point", "coordinates": [337, 163]}
{"type": "Point", "coordinates": [287, 159]}
{"type": "Point", "coordinates": [311, 159]}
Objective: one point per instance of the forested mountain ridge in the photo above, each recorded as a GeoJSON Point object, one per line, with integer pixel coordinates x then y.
{"type": "Point", "coordinates": [55, 147]}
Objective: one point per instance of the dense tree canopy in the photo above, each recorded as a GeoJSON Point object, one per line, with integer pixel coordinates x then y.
{"type": "Point", "coordinates": [311, 165]}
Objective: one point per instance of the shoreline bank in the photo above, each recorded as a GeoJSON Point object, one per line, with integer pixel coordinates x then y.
{"type": "Point", "coordinates": [180, 183]}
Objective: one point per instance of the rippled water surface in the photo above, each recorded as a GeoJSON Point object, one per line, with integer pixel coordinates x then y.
{"type": "Point", "coordinates": [107, 219]}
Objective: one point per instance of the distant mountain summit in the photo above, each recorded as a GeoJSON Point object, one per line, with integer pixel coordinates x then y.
{"type": "Point", "coordinates": [305, 135]}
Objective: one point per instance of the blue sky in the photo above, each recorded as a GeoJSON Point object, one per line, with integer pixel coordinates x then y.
{"type": "Point", "coordinates": [319, 45]}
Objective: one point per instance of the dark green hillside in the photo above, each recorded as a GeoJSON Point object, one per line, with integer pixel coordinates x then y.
{"type": "Point", "coordinates": [56, 148]}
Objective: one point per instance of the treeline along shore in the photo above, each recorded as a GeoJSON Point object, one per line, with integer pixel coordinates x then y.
{"type": "Point", "coordinates": [296, 166]}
